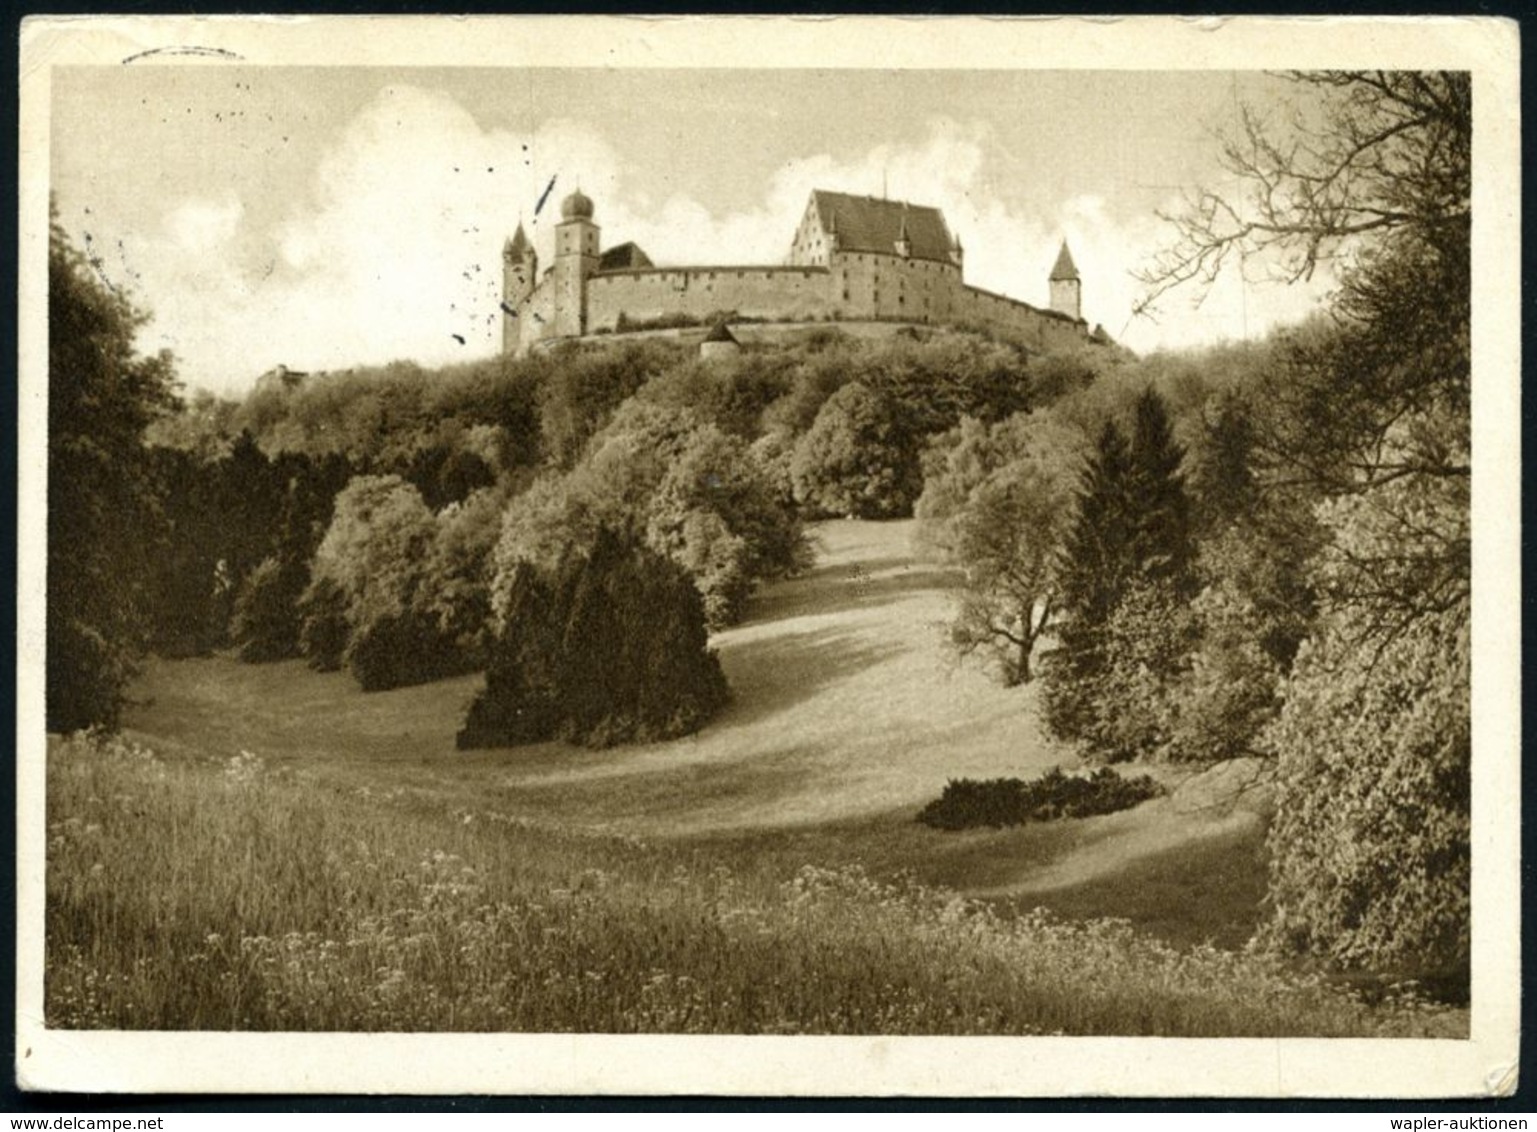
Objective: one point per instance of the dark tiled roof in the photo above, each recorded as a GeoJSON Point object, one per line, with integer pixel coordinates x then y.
{"type": "Point", "coordinates": [867, 224]}
{"type": "Point", "coordinates": [721, 333]}
{"type": "Point", "coordinates": [625, 257]}
{"type": "Point", "coordinates": [1065, 268]}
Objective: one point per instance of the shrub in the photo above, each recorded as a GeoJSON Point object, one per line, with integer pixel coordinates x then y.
{"type": "Point", "coordinates": [323, 628]}
{"type": "Point", "coordinates": [857, 459]}
{"type": "Point", "coordinates": [612, 649]}
{"type": "Point", "coordinates": [521, 700]}
{"type": "Point", "coordinates": [374, 586]}
{"type": "Point", "coordinates": [688, 489]}
{"type": "Point", "coordinates": [1232, 688]}
{"type": "Point", "coordinates": [968, 803]}
{"type": "Point", "coordinates": [1370, 853]}
{"type": "Point", "coordinates": [399, 648]}
{"type": "Point", "coordinates": [265, 622]}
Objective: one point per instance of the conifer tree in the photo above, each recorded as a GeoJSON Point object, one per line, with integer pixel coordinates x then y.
{"type": "Point", "coordinates": [521, 700]}
{"type": "Point", "coordinates": [1096, 554]}
{"type": "Point", "coordinates": [1093, 573]}
{"type": "Point", "coordinates": [614, 650]}
{"type": "Point", "coordinates": [1132, 535]}
{"type": "Point", "coordinates": [1159, 506]}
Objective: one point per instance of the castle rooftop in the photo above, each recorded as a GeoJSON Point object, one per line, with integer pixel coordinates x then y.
{"type": "Point", "coordinates": [626, 257]}
{"type": "Point", "coordinates": [868, 224]}
{"type": "Point", "coordinates": [1065, 267]}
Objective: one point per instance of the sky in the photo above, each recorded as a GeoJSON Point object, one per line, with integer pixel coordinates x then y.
{"type": "Point", "coordinates": [325, 217]}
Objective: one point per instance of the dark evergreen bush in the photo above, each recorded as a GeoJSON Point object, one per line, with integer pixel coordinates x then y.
{"type": "Point", "coordinates": [613, 650]}
{"type": "Point", "coordinates": [323, 627]}
{"type": "Point", "coordinates": [394, 650]}
{"type": "Point", "coordinates": [265, 622]}
{"type": "Point", "coordinates": [521, 700]}
{"type": "Point", "coordinates": [996, 802]}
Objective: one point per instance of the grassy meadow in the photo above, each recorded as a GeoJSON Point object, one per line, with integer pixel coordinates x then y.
{"type": "Point", "coordinates": [269, 848]}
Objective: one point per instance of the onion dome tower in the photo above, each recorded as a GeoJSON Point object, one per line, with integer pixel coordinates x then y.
{"type": "Point", "coordinates": [576, 258]}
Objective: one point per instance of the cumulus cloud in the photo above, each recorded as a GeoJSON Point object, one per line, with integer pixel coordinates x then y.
{"type": "Point", "coordinates": [394, 250]}
{"type": "Point", "coordinates": [202, 227]}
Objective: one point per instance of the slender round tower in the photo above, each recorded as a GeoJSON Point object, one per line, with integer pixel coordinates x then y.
{"type": "Point", "coordinates": [576, 257]}
{"type": "Point", "coordinates": [1066, 287]}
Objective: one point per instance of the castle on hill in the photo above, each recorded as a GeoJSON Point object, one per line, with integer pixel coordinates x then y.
{"type": "Point", "coordinates": [852, 258]}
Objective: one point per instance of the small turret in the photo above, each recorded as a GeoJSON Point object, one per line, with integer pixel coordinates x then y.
{"type": "Point", "coordinates": [517, 247]}
{"type": "Point", "coordinates": [904, 242]}
{"type": "Point", "coordinates": [957, 253]}
{"type": "Point", "coordinates": [1066, 287]}
{"type": "Point", "coordinates": [520, 271]}
{"type": "Point", "coordinates": [719, 343]}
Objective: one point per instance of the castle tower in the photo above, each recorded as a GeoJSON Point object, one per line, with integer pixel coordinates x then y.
{"type": "Point", "coordinates": [520, 271]}
{"type": "Point", "coordinates": [576, 257]}
{"type": "Point", "coordinates": [1066, 288]}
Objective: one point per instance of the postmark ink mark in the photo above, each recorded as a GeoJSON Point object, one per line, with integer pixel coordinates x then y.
{"type": "Point", "coordinates": [188, 49]}
{"type": "Point", "coordinates": [544, 196]}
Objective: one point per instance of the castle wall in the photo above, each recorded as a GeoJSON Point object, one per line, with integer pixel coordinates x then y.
{"type": "Point", "coordinates": [870, 285]}
{"type": "Point", "coordinates": [536, 315]}
{"type": "Point", "coordinates": [1045, 330]}
{"type": "Point", "coordinates": [751, 292]}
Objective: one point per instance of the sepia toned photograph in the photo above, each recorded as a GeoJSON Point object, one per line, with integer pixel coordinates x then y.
{"type": "Point", "coordinates": [659, 556]}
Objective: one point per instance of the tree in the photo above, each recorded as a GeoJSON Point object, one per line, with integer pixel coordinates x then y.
{"type": "Point", "coordinates": [1008, 540]}
{"type": "Point", "coordinates": [690, 490]}
{"type": "Point", "coordinates": [456, 584]}
{"type": "Point", "coordinates": [374, 563]}
{"type": "Point", "coordinates": [1370, 854]}
{"type": "Point", "coordinates": [265, 622]}
{"type": "Point", "coordinates": [857, 459]}
{"type": "Point", "coordinates": [716, 513]}
{"type": "Point", "coordinates": [1132, 533]}
{"type": "Point", "coordinates": [1389, 153]}
{"type": "Point", "coordinates": [189, 598]}
{"type": "Point", "coordinates": [996, 502]}
{"type": "Point", "coordinates": [611, 648]}
{"type": "Point", "coordinates": [1368, 423]}
{"type": "Point", "coordinates": [104, 521]}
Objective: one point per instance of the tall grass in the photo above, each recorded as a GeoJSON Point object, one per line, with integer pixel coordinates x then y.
{"type": "Point", "coordinates": [201, 895]}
